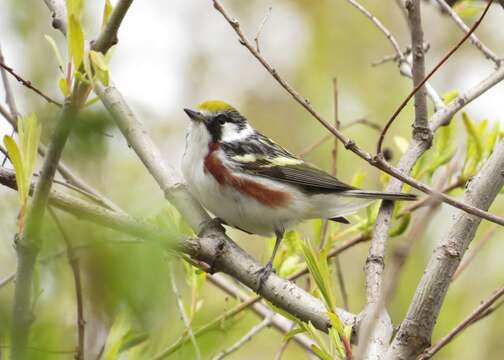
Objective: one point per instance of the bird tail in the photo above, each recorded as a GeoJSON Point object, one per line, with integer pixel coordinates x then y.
{"type": "Point", "coordinates": [366, 194]}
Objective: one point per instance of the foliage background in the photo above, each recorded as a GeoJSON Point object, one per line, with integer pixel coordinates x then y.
{"type": "Point", "coordinates": [175, 54]}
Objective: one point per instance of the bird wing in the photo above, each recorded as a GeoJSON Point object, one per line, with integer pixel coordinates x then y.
{"type": "Point", "coordinates": [262, 157]}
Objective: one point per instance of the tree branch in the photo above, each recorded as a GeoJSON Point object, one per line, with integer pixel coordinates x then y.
{"type": "Point", "coordinates": [234, 261]}
{"type": "Point", "coordinates": [475, 315]}
{"type": "Point", "coordinates": [27, 243]}
{"type": "Point", "coordinates": [67, 173]}
{"type": "Point", "coordinates": [489, 54]}
{"type": "Point", "coordinates": [416, 329]}
{"type": "Point", "coordinates": [59, 14]}
{"type": "Point", "coordinates": [443, 116]}
{"type": "Point", "coordinates": [420, 126]}
{"type": "Point", "coordinates": [28, 84]}
{"type": "Point", "coordinates": [231, 259]}
{"type": "Point", "coordinates": [419, 85]}
{"type": "Point", "coordinates": [245, 339]}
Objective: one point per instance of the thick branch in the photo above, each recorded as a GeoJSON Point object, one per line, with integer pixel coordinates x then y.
{"type": "Point", "coordinates": [59, 14]}
{"type": "Point", "coordinates": [234, 261]}
{"type": "Point", "coordinates": [108, 36]}
{"type": "Point", "coordinates": [416, 330]}
{"type": "Point", "coordinates": [420, 126]}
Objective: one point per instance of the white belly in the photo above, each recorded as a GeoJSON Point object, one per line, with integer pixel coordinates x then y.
{"type": "Point", "coordinates": [236, 208]}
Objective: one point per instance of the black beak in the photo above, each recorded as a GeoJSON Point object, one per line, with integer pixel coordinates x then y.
{"type": "Point", "coordinates": [194, 115]}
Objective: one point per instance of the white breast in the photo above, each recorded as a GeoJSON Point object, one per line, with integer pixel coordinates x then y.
{"type": "Point", "coordinates": [235, 208]}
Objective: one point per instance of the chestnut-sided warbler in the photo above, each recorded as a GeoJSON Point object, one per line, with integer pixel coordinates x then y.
{"type": "Point", "coordinates": [251, 183]}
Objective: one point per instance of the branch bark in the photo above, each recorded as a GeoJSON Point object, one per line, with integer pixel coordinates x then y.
{"type": "Point", "coordinates": [234, 261]}
{"type": "Point", "coordinates": [27, 243]}
{"type": "Point", "coordinates": [349, 144]}
{"type": "Point", "coordinates": [415, 332]}
{"type": "Point", "coordinates": [59, 14]}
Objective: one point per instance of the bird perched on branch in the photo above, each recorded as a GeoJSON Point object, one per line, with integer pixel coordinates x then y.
{"type": "Point", "coordinates": [251, 183]}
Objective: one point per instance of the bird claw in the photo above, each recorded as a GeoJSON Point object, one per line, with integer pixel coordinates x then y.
{"type": "Point", "coordinates": [264, 274]}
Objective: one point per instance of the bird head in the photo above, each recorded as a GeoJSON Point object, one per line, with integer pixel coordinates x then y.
{"type": "Point", "coordinates": [220, 121]}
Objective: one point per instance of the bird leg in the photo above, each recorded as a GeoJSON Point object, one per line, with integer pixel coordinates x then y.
{"type": "Point", "coordinates": [266, 271]}
{"type": "Point", "coordinates": [209, 227]}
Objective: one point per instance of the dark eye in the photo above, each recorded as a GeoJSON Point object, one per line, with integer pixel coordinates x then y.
{"type": "Point", "coordinates": [221, 119]}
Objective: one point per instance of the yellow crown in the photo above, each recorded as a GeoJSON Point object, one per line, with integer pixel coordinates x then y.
{"type": "Point", "coordinates": [215, 105]}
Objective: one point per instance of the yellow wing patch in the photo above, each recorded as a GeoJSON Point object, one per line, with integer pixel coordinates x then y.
{"type": "Point", "coordinates": [215, 105]}
{"type": "Point", "coordinates": [272, 161]}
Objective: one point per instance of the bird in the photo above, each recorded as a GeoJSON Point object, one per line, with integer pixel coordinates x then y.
{"type": "Point", "coordinates": [253, 184]}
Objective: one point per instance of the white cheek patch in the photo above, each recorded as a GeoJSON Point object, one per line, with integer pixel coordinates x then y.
{"type": "Point", "coordinates": [232, 132]}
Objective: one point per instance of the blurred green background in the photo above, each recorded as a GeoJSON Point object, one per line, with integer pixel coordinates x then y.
{"type": "Point", "coordinates": [175, 54]}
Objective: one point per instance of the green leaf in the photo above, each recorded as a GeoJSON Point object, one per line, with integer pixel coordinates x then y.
{"type": "Point", "coordinates": [293, 332]}
{"type": "Point", "coordinates": [321, 353]}
{"type": "Point", "coordinates": [358, 179]}
{"type": "Point", "coordinates": [55, 50]}
{"type": "Point", "coordinates": [100, 66]}
{"type": "Point", "coordinates": [107, 10]}
{"type": "Point", "coordinates": [75, 7]}
{"type": "Point", "coordinates": [17, 162]}
{"type": "Point", "coordinates": [450, 96]}
{"type": "Point", "coordinates": [320, 272]}
{"type": "Point", "coordinates": [29, 142]}
{"type": "Point", "coordinates": [75, 41]}
{"type": "Point", "coordinates": [116, 337]}
{"type": "Point", "coordinates": [63, 86]}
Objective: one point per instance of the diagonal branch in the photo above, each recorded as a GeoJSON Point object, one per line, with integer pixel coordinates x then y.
{"type": "Point", "coordinates": [28, 84]}
{"type": "Point", "coordinates": [214, 247]}
{"type": "Point", "coordinates": [441, 117]}
{"type": "Point", "coordinates": [234, 261]}
{"type": "Point", "coordinates": [415, 332]}
{"type": "Point", "coordinates": [489, 54]}
{"type": "Point", "coordinates": [476, 314]}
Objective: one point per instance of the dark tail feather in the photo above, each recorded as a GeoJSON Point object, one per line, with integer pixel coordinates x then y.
{"type": "Point", "coordinates": [365, 194]}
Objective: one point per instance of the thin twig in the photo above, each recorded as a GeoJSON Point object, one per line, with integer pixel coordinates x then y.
{"type": "Point", "coordinates": [327, 137]}
{"type": "Point", "coordinates": [7, 279]}
{"type": "Point", "coordinates": [245, 339]}
{"type": "Point", "coordinates": [29, 85]}
{"type": "Point", "coordinates": [470, 320]}
{"type": "Point", "coordinates": [432, 72]}
{"type": "Point", "coordinates": [284, 345]}
{"type": "Point", "coordinates": [263, 22]}
{"type": "Point", "coordinates": [473, 38]}
{"type": "Point", "coordinates": [439, 119]}
{"type": "Point", "coordinates": [182, 312]}
{"type": "Point", "coordinates": [73, 260]}
{"type": "Point", "coordinates": [403, 62]}
{"type": "Point", "coordinates": [339, 269]}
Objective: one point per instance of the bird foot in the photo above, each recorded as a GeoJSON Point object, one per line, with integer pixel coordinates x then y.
{"type": "Point", "coordinates": [214, 227]}
{"type": "Point", "coordinates": [264, 274]}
